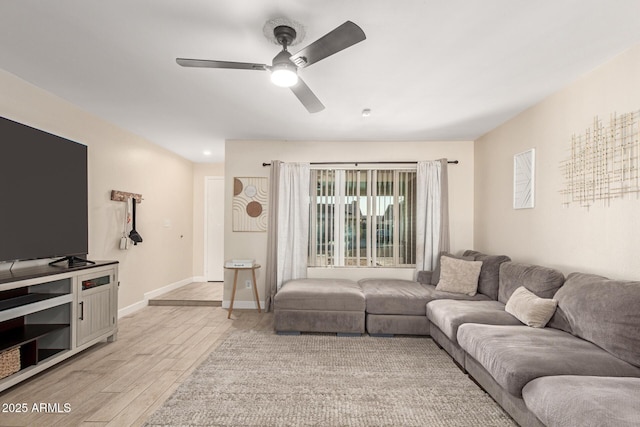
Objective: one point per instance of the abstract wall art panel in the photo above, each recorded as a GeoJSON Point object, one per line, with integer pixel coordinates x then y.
{"type": "Point", "coordinates": [603, 162]}
{"type": "Point", "coordinates": [249, 210]}
{"type": "Point", "coordinates": [523, 179]}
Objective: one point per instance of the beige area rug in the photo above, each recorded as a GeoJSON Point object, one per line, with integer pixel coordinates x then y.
{"type": "Point", "coordinates": [264, 379]}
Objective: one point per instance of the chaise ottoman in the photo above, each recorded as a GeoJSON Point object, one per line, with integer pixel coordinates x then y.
{"type": "Point", "coordinates": [319, 305]}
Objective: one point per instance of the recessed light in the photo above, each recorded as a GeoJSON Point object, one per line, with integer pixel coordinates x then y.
{"type": "Point", "coordinates": [206, 152]}
{"type": "Point", "coordinates": [366, 112]}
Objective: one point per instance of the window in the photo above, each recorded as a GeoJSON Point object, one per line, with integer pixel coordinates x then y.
{"type": "Point", "coordinates": [362, 218]}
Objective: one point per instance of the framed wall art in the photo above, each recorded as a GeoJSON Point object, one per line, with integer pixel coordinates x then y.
{"type": "Point", "coordinates": [523, 179]}
{"type": "Point", "coordinates": [249, 208]}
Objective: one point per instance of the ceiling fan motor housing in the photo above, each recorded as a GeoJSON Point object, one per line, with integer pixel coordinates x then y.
{"type": "Point", "coordinates": [284, 72]}
{"type": "Point", "coordinates": [281, 60]}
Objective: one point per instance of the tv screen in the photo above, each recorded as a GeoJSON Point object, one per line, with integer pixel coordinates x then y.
{"type": "Point", "coordinates": [43, 210]}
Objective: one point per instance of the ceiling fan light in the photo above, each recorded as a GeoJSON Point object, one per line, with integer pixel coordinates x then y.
{"type": "Point", "coordinates": [283, 77]}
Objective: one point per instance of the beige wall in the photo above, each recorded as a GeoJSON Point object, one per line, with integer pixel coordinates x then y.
{"type": "Point", "coordinates": [245, 158]}
{"type": "Point", "coordinates": [600, 239]}
{"type": "Point", "coordinates": [122, 161]}
{"type": "Point", "coordinates": [200, 172]}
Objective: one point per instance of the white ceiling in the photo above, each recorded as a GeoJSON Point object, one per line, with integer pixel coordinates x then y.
{"type": "Point", "coordinates": [429, 69]}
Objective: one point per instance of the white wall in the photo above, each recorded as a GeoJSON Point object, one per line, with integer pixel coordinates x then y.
{"type": "Point", "coordinates": [602, 239]}
{"type": "Point", "coordinates": [119, 160]}
{"type": "Point", "coordinates": [245, 158]}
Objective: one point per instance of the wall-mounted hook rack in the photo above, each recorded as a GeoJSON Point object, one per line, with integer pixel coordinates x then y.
{"type": "Point", "coordinates": [123, 196]}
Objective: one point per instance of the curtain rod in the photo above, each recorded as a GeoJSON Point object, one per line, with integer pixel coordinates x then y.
{"type": "Point", "coordinates": [455, 162]}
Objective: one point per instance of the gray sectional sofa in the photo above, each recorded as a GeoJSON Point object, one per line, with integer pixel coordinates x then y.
{"type": "Point", "coordinates": [388, 306]}
{"type": "Point", "coordinates": [581, 369]}
{"type": "Point", "coordinates": [592, 339]}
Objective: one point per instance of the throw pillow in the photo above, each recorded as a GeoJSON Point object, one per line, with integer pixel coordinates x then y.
{"type": "Point", "coordinates": [435, 275]}
{"type": "Point", "coordinates": [459, 276]}
{"type": "Point", "coordinates": [528, 308]}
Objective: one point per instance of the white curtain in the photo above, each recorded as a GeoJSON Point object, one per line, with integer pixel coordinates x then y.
{"type": "Point", "coordinates": [432, 213]}
{"type": "Point", "coordinates": [271, 275]}
{"type": "Point", "coordinates": [293, 222]}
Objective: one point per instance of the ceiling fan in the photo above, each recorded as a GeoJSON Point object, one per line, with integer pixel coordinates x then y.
{"type": "Point", "coordinates": [284, 67]}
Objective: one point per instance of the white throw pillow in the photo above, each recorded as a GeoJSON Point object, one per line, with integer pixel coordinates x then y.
{"type": "Point", "coordinates": [530, 309]}
{"type": "Point", "coordinates": [459, 276]}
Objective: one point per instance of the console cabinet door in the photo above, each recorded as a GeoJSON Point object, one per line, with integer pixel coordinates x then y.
{"type": "Point", "coordinates": [95, 315]}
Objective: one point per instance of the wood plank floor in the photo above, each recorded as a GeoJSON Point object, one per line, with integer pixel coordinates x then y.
{"type": "Point", "coordinates": [122, 383]}
{"type": "Point", "coordinates": [194, 294]}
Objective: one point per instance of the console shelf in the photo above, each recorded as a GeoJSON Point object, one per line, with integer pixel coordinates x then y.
{"type": "Point", "coordinates": [49, 315]}
{"type": "Point", "coordinates": [45, 353]}
{"type": "Point", "coordinates": [25, 299]}
{"type": "Point", "coordinates": [19, 336]}
{"type": "Point", "coordinates": [32, 303]}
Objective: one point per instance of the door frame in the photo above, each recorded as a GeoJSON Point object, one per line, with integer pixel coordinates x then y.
{"type": "Point", "coordinates": [207, 180]}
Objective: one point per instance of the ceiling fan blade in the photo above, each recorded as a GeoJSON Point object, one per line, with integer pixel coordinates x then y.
{"type": "Point", "coordinates": [344, 36]}
{"type": "Point", "coordinates": [307, 97]}
{"type": "Point", "coordinates": [206, 63]}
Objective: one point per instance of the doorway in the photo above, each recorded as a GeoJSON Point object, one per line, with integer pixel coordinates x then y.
{"type": "Point", "coordinates": [214, 229]}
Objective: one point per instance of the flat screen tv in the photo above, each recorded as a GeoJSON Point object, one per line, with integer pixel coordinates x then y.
{"type": "Point", "coordinates": [43, 205]}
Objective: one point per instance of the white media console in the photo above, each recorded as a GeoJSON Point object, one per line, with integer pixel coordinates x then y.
{"type": "Point", "coordinates": [51, 313]}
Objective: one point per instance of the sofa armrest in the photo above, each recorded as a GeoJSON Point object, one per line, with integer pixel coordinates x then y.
{"type": "Point", "coordinates": [424, 277]}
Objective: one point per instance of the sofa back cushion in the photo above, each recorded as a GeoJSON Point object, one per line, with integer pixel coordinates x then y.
{"type": "Point", "coordinates": [489, 280]}
{"type": "Point", "coordinates": [542, 281]}
{"type": "Point", "coordinates": [603, 311]}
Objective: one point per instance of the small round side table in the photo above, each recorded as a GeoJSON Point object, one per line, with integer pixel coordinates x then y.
{"type": "Point", "coordinates": [253, 269]}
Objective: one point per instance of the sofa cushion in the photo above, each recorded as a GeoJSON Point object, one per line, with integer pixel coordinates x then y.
{"type": "Point", "coordinates": [490, 273]}
{"type": "Point", "coordinates": [542, 281]}
{"type": "Point", "coordinates": [515, 355]}
{"type": "Point", "coordinates": [585, 401]}
{"type": "Point", "coordinates": [529, 309]}
{"type": "Point", "coordinates": [320, 294]}
{"type": "Point", "coordinates": [448, 315]}
{"type": "Point", "coordinates": [394, 296]}
{"type": "Point", "coordinates": [459, 276]}
{"type": "Point", "coordinates": [603, 311]}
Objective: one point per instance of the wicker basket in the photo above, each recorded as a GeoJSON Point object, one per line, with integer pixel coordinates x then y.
{"type": "Point", "coordinates": [9, 362]}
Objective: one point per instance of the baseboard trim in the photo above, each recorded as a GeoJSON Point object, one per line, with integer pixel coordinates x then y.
{"type": "Point", "coordinates": [152, 294]}
{"type": "Point", "coordinates": [130, 309]}
{"type": "Point", "coordinates": [163, 290]}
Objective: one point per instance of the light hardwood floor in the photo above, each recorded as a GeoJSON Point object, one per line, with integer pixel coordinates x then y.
{"type": "Point", "coordinates": [198, 293]}
{"type": "Point", "coordinates": [122, 383]}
